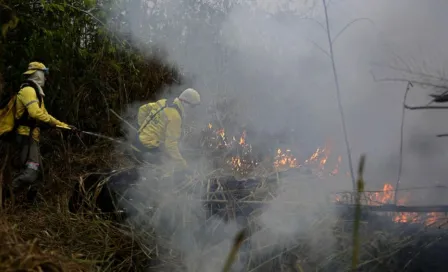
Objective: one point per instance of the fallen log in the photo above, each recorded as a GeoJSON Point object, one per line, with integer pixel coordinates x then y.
{"type": "Point", "coordinates": [115, 192]}
{"type": "Point", "coordinates": [399, 208]}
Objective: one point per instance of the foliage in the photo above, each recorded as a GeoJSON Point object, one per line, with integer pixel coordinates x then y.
{"type": "Point", "coordinates": [92, 69]}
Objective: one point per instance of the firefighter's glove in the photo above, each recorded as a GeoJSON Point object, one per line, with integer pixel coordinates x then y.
{"type": "Point", "coordinates": [74, 129]}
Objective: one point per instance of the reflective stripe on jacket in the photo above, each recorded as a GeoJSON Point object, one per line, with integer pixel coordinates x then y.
{"type": "Point", "coordinates": [164, 130]}
{"type": "Point", "coordinates": [27, 99]}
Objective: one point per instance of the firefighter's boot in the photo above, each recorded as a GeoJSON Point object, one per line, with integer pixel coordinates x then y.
{"type": "Point", "coordinates": [28, 177]}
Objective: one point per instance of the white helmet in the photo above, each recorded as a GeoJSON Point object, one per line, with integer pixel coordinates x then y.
{"type": "Point", "coordinates": [190, 96]}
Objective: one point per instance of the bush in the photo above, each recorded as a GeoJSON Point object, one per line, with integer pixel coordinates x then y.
{"type": "Point", "coordinates": [92, 70]}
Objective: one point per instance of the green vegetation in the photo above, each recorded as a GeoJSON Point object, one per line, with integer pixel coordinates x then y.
{"type": "Point", "coordinates": [89, 65]}
{"type": "Point", "coordinates": [94, 70]}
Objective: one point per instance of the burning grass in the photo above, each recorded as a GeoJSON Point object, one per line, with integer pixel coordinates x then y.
{"type": "Point", "coordinates": [88, 243]}
{"type": "Point", "coordinates": [389, 248]}
{"type": "Point", "coordinates": [242, 161]}
{"type": "Point", "coordinates": [242, 183]}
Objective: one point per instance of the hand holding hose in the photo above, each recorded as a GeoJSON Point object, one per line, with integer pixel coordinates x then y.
{"type": "Point", "coordinates": [74, 129]}
{"type": "Point", "coordinates": [71, 128]}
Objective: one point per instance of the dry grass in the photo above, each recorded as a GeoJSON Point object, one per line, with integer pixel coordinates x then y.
{"type": "Point", "coordinates": [86, 241]}
{"type": "Point", "coordinates": [68, 241]}
{"type": "Point", "coordinates": [16, 254]}
{"type": "Point", "coordinates": [49, 237]}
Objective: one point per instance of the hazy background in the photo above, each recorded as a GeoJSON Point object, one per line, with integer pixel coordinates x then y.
{"type": "Point", "coordinates": [270, 55]}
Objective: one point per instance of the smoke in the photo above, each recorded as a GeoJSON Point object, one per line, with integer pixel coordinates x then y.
{"type": "Point", "coordinates": [180, 222]}
{"type": "Point", "coordinates": [272, 57]}
{"type": "Point", "coordinates": [269, 55]}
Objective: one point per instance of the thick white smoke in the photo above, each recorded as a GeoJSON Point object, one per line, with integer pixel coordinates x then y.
{"type": "Point", "coordinates": [273, 57]}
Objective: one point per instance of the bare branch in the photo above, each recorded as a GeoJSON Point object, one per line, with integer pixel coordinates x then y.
{"type": "Point", "coordinates": [422, 83]}
{"type": "Point", "coordinates": [320, 48]}
{"type": "Point", "coordinates": [409, 71]}
{"type": "Point", "coordinates": [399, 58]}
{"type": "Point", "coordinates": [425, 107]}
{"type": "Point", "coordinates": [348, 25]}
{"type": "Point", "coordinates": [338, 95]}
{"type": "Point", "coordinates": [315, 21]}
{"type": "Point", "coordinates": [400, 166]}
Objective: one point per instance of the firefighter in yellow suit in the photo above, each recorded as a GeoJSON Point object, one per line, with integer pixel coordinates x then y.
{"type": "Point", "coordinates": [160, 129]}
{"type": "Point", "coordinates": [30, 114]}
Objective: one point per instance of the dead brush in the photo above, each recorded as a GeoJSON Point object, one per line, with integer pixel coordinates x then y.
{"type": "Point", "coordinates": [88, 241]}
{"type": "Point", "coordinates": [18, 255]}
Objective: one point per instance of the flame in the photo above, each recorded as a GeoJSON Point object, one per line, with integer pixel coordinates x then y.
{"type": "Point", "coordinates": [386, 196]}
{"type": "Point", "coordinates": [243, 138]}
{"type": "Point", "coordinates": [318, 160]}
{"type": "Point", "coordinates": [243, 163]}
{"type": "Point", "coordinates": [338, 198]}
{"type": "Point", "coordinates": [336, 168]}
{"type": "Point", "coordinates": [221, 133]}
{"type": "Point", "coordinates": [236, 161]}
{"type": "Point", "coordinates": [320, 156]}
{"type": "Point", "coordinates": [432, 218]}
{"type": "Point", "coordinates": [383, 197]}
{"type": "Point", "coordinates": [314, 156]}
{"type": "Point", "coordinates": [284, 159]}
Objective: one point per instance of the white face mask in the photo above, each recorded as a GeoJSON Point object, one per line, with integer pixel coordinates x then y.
{"type": "Point", "coordinates": [38, 77]}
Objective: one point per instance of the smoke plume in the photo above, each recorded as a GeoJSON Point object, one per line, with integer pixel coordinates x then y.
{"type": "Point", "coordinates": [273, 58]}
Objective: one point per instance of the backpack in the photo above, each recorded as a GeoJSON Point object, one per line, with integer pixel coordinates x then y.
{"type": "Point", "coordinates": [8, 122]}
{"type": "Point", "coordinates": [151, 117]}
{"type": "Point", "coordinates": [148, 120]}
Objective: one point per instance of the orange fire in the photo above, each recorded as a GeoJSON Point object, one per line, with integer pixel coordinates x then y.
{"type": "Point", "coordinates": [221, 133]}
{"type": "Point", "coordinates": [284, 159]}
{"type": "Point", "coordinates": [243, 138]}
{"type": "Point", "coordinates": [336, 168]}
{"type": "Point", "coordinates": [386, 196]}
{"type": "Point", "coordinates": [243, 162]}
{"type": "Point", "coordinates": [432, 218]}
{"type": "Point", "coordinates": [320, 158]}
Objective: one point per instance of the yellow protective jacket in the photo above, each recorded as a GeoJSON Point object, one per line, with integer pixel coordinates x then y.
{"type": "Point", "coordinates": [164, 130]}
{"type": "Point", "coordinates": [27, 99]}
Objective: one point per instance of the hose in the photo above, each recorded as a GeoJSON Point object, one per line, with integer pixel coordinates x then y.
{"type": "Point", "coordinates": [103, 137]}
